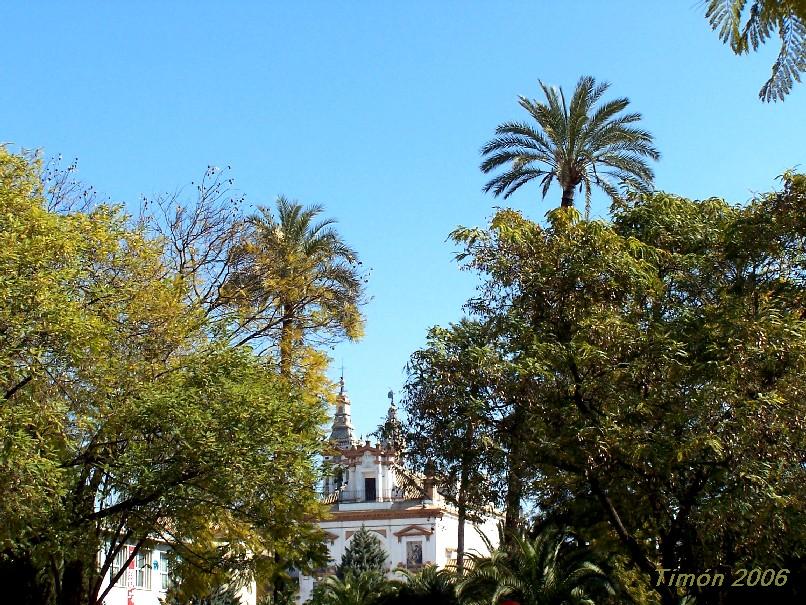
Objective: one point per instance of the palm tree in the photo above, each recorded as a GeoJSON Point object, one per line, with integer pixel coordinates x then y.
{"type": "Point", "coordinates": [295, 273]}
{"type": "Point", "coordinates": [577, 144]}
{"type": "Point", "coordinates": [547, 569]}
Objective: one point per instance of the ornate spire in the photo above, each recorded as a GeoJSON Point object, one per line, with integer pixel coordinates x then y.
{"type": "Point", "coordinates": [391, 431]}
{"type": "Point", "coordinates": [341, 432]}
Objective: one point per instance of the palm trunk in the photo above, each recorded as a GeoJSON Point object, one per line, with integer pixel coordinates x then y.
{"type": "Point", "coordinates": [464, 480]}
{"type": "Point", "coordinates": [286, 346]}
{"type": "Point", "coordinates": [285, 349]}
{"type": "Point", "coordinates": [568, 196]}
{"type": "Point", "coordinates": [515, 477]}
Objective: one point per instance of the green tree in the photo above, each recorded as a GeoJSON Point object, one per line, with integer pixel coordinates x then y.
{"type": "Point", "coordinates": [661, 359]}
{"type": "Point", "coordinates": [364, 553]}
{"type": "Point", "coordinates": [547, 569]}
{"type": "Point", "coordinates": [296, 274]}
{"type": "Point", "coordinates": [282, 284]}
{"type": "Point", "coordinates": [578, 144]}
{"type": "Point", "coordinates": [748, 25]}
{"type": "Point", "coordinates": [127, 414]}
{"type": "Point", "coordinates": [450, 418]}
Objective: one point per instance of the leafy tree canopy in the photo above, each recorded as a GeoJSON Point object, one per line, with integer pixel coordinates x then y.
{"type": "Point", "coordinates": [660, 358]}
{"type": "Point", "coordinates": [127, 412]}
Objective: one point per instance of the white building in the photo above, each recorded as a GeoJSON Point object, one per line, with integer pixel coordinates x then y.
{"type": "Point", "coordinates": [146, 578]}
{"type": "Point", "coordinates": [371, 488]}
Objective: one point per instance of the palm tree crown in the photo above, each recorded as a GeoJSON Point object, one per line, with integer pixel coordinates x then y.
{"type": "Point", "coordinates": [578, 143]}
{"type": "Point", "coordinates": [300, 275]}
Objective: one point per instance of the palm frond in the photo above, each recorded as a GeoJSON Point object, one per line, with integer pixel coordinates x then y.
{"type": "Point", "coordinates": [790, 63]}
{"type": "Point", "coordinates": [725, 17]}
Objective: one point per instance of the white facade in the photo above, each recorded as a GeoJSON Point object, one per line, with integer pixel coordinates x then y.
{"type": "Point", "coordinates": [407, 514]}
{"type": "Point", "coordinates": [146, 578]}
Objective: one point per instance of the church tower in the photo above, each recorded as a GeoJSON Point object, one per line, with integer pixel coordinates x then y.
{"type": "Point", "coordinates": [391, 431]}
{"type": "Point", "coordinates": [368, 486]}
{"type": "Point", "coordinates": [341, 433]}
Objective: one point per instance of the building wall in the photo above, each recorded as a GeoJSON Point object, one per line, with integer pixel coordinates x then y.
{"type": "Point", "coordinates": [149, 586]}
{"type": "Point", "coordinates": [438, 548]}
{"type": "Point", "coordinates": [448, 537]}
{"type": "Point", "coordinates": [143, 588]}
{"type": "Point", "coordinates": [414, 532]}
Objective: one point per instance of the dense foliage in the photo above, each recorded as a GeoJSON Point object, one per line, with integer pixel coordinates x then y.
{"type": "Point", "coordinates": [130, 410]}
{"type": "Point", "coordinates": [655, 364]}
{"type": "Point", "coordinates": [451, 402]}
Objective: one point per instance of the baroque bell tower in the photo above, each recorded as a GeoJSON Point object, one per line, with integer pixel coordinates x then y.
{"type": "Point", "coordinates": [341, 433]}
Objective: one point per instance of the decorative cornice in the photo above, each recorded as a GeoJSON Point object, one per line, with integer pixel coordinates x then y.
{"type": "Point", "coordinates": [357, 452]}
{"type": "Point", "coordinates": [373, 515]}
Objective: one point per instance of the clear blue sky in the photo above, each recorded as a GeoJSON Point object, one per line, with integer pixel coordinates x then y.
{"type": "Point", "coordinates": [376, 110]}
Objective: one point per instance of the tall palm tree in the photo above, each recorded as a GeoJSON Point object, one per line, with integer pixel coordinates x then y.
{"type": "Point", "coordinates": [547, 569]}
{"type": "Point", "coordinates": [297, 279]}
{"type": "Point", "coordinates": [578, 144]}
{"type": "Point", "coordinates": [296, 274]}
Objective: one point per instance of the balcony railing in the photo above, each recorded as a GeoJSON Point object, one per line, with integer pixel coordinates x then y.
{"type": "Point", "coordinates": [352, 496]}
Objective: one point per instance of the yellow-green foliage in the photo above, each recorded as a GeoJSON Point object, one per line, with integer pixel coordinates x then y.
{"type": "Point", "coordinates": [128, 414]}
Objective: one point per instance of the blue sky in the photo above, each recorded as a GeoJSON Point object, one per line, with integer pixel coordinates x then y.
{"type": "Point", "coordinates": [376, 110]}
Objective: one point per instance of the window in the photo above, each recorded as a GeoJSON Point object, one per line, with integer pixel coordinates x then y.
{"type": "Point", "coordinates": [414, 553]}
{"type": "Point", "coordinates": [164, 578]}
{"type": "Point", "coordinates": [143, 569]}
{"type": "Point", "coordinates": [117, 563]}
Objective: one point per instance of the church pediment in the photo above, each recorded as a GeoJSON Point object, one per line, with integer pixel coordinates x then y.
{"type": "Point", "coordinates": [414, 530]}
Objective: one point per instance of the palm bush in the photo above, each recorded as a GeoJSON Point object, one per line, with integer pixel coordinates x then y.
{"type": "Point", "coordinates": [429, 586]}
{"type": "Point", "coordinates": [365, 588]}
{"type": "Point", "coordinates": [547, 569]}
